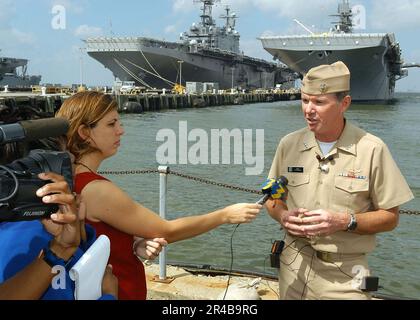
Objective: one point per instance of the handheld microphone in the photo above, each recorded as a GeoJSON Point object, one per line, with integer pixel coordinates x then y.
{"type": "Point", "coordinates": [276, 189]}
{"type": "Point", "coordinates": [31, 130]}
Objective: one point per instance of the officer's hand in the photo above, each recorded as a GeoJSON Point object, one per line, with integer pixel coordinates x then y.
{"type": "Point", "coordinates": [292, 221]}
{"type": "Point", "coordinates": [323, 223]}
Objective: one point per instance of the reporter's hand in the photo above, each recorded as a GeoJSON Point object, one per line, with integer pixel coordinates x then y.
{"type": "Point", "coordinates": [110, 282]}
{"type": "Point", "coordinates": [148, 248]}
{"type": "Point", "coordinates": [67, 225]}
{"type": "Point", "coordinates": [241, 212]}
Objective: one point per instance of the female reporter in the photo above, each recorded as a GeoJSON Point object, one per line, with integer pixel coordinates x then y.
{"type": "Point", "coordinates": [95, 135]}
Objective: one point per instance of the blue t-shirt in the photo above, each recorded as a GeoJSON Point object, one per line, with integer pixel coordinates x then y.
{"type": "Point", "coordinates": [20, 245]}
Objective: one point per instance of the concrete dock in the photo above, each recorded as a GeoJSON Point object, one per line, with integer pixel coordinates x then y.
{"type": "Point", "coordinates": [193, 285]}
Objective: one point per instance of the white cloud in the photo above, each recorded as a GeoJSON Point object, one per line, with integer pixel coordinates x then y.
{"type": "Point", "coordinates": [253, 48]}
{"type": "Point", "coordinates": [6, 13]}
{"type": "Point", "coordinates": [170, 29]}
{"type": "Point", "coordinates": [23, 37]}
{"type": "Point", "coordinates": [185, 6]}
{"type": "Point", "coordinates": [77, 7]}
{"type": "Point", "coordinates": [268, 33]}
{"type": "Point", "coordinates": [314, 13]}
{"type": "Point", "coordinates": [412, 56]}
{"type": "Point", "coordinates": [87, 31]}
{"type": "Point", "coordinates": [394, 15]}
{"type": "Point", "coordinates": [291, 9]}
{"type": "Point", "coordinates": [14, 40]}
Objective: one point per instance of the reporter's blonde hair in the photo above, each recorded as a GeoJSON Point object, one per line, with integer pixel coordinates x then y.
{"type": "Point", "coordinates": [84, 108]}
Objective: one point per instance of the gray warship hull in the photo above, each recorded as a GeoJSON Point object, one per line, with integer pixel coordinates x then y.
{"type": "Point", "coordinates": [156, 64]}
{"type": "Point", "coordinates": [373, 59]}
{"type": "Point", "coordinates": [9, 75]}
{"type": "Point", "coordinates": [14, 81]}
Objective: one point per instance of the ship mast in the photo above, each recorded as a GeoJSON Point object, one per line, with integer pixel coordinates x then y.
{"type": "Point", "coordinates": [345, 24]}
{"type": "Point", "coordinates": [230, 19]}
{"type": "Point", "coordinates": [207, 16]}
{"type": "Point", "coordinates": [207, 35]}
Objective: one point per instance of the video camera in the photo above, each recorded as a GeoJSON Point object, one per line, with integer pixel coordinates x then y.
{"type": "Point", "coordinates": [19, 180]}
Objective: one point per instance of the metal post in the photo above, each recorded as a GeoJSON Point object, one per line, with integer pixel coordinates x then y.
{"type": "Point", "coordinates": [81, 68]}
{"type": "Point", "coordinates": [180, 72]}
{"type": "Point", "coordinates": [233, 74]}
{"type": "Point", "coordinates": [162, 211]}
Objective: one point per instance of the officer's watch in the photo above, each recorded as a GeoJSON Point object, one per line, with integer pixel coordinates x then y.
{"type": "Point", "coordinates": [353, 223]}
{"type": "Point", "coordinates": [52, 259]}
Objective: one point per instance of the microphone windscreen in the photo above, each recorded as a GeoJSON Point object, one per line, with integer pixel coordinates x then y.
{"type": "Point", "coordinates": [44, 128]}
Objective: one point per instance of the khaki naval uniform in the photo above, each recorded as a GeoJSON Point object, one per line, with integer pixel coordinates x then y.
{"type": "Point", "coordinates": [359, 175]}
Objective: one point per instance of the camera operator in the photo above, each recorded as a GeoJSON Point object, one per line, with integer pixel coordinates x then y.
{"type": "Point", "coordinates": [66, 229]}
{"type": "Point", "coordinates": [31, 250]}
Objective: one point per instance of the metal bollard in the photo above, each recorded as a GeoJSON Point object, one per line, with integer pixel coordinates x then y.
{"type": "Point", "coordinates": [162, 211]}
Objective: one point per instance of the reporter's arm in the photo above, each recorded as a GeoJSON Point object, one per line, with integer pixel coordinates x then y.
{"type": "Point", "coordinates": [106, 202]}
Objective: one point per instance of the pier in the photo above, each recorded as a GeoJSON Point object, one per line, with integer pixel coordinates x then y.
{"type": "Point", "coordinates": [148, 102]}
{"type": "Point", "coordinates": [157, 102]}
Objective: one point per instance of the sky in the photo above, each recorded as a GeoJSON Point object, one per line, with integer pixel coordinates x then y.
{"type": "Point", "coordinates": [33, 29]}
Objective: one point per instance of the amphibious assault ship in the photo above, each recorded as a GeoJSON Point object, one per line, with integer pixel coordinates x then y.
{"type": "Point", "coordinates": [206, 53]}
{"type": "Point", "coordinates": [374, 59]}
{"type": "Point", "coordinates": [13, 73]}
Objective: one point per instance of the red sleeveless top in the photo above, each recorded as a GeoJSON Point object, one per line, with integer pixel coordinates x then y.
{"type": "Point", "coordinates": [125, 265]}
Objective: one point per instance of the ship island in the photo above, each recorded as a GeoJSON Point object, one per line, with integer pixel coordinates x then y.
{"type": "Point", "coordinates": [207, 53]}
{"type": "Point", "coordinates": [374, 59]}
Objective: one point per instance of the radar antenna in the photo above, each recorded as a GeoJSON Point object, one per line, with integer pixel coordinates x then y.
{"type": "Point", "coordinates": [207, 16]}
{"type": "Point", "coordinates": [345, 15]}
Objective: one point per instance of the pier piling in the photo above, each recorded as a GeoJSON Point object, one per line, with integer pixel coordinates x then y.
{"type": "Point", "coordinates": [146, 102]}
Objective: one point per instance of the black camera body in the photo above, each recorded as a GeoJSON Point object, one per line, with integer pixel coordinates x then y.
{"type": "Point", "coordinates": [19, 182]}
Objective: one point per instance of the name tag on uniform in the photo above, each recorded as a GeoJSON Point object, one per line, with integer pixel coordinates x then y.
{"type": "Point", "coordinates": [295, 169]}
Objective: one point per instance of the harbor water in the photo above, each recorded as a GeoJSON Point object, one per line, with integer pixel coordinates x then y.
{"type": "Point", "coordinates": [396, 258]}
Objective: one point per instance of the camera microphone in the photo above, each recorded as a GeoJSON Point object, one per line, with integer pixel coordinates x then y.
{"type": "Point", "coordinates": [31, 130]}
{"type": "Point", "coordinates": [324, 166]}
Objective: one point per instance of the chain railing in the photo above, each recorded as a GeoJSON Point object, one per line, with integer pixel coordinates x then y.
{"type": "Point", "coordinates": [211, 182]}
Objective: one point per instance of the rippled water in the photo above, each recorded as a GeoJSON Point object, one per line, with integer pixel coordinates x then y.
{"type": "Point", "coordinates": [397, 256]}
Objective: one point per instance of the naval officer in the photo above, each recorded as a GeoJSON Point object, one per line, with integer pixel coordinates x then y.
{"type": "Point", "coordinates": [344, 188]}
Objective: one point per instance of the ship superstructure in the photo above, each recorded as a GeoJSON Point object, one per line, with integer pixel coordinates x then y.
{"type": "Point", "coordinates": [205, 53]}
{"type": "Point", "coordinates": [13, 73]}
{"type": "Point", "coordinates": [374, 59]}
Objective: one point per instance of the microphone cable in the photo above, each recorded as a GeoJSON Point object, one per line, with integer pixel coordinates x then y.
{"type": "Point", "coordinates": [231, 261]}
